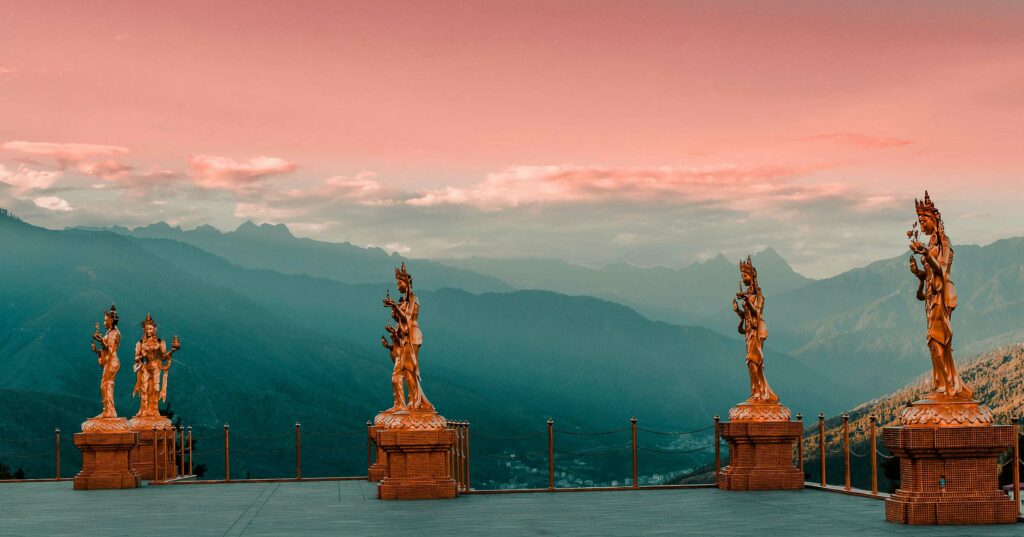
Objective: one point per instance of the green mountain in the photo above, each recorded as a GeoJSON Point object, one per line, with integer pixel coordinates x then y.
{"type": "Point", "coordinates": [696, 294]}
{"type": "Point", "coordinates": [273, 247]}
{"type": "Point", "coordinates": [263, 349]}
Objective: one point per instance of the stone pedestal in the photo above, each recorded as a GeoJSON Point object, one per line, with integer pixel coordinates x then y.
{"type": "Point", "coordinates": [107, 460]}
{"type": "Point", "coordinates": [761, 455]}
{"type": "Point", "coordinates": [416, 449]}
{"type": "Point", "coordinates": [966, 459]}
{"type": "Point", "coordinates": [142, 458]}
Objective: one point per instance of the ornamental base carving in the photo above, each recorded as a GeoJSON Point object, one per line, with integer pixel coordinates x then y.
{"type": "Point", "coordinates": [417, 464]}
{"type": "Point", "coordinates": [410, 419]}
{"type": "Point", "coordinates": [949, 475]}
{"type": "Point", "coordinates": [142, 456]}
{"type": "Point", "coordinates": [761, 456]}
{"type": "Point", "coordinates": [106, 460]}
{"type": "Point", "coordinates": [938, 411]}
{"type": "Point", "coordinates": [106, 425]}
{"type": "Point", "coordinates": [758, 411]}
{"type": "Point", "coordinates": [148, 423]}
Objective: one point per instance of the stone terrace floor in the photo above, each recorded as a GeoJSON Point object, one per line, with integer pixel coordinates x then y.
{"type": "Point", "coordinates": [351, 508]}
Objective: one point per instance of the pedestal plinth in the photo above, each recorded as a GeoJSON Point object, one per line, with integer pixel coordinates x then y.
{"type": "Point", "coordinates": [142, 457]}
{"type": "Point", "coordinates": [106, 460]}
{"type": "Point", "coordinates": [949, 475]}
{"type": "Point", "coordinates": [761, 455]}
{"type": "Point", "coordinates": [416, 451]}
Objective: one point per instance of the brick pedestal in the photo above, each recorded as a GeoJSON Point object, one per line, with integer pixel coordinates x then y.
{"type": "Point", "coordinates": [106, 461]}
{"type": "Point", "coordinates": [761, 456]}
{"type": "Point", "coordinates": [142, 457]}
{"type": "Point", "coordinates": [966, 457]}
{"type": "Point", "coordinates": [417, 464]}
{"type": "Point", "coordinates": [379, 468]}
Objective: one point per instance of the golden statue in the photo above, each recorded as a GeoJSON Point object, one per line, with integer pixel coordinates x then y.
{"type": "Point", "coordinates": [951, 401]}
{"type": "Point", "coordinates": [406, 338]}
{"type": "Point", "coordinates": [763, 404]}
{"type": "Point", "coordinates": [106, 355]}
{"type": "Point", "coordinates": [152, 362]}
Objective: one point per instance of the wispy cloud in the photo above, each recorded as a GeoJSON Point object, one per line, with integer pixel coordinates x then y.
{"type": "Point", "coordinates": [213, 172]}
{"type": "Point", "coordinates": [862, 141]}
{"type": "Point", "coordinates": [725, 185]}
{"type": "Point", "coordinates": [66, 152]}
{"type": "Point", "coordinates": [24, 179]}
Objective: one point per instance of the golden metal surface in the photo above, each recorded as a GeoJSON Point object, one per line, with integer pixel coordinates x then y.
{"type": "Point", "coordinates": [403, 342]}
{"type": "Point", "coordinates": [763, 404]}
{"type": "Point", "coordinates": [951, 402]}
{"type": "Point", "coordinates": [152, 362]}
{"type": "Point", "coordinates": [106, 354]}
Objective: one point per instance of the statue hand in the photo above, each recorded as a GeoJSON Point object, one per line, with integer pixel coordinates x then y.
{"type": "Point", "coordinates": [735, 306]}
{"type": "Point", "coordinates": [915, 269]}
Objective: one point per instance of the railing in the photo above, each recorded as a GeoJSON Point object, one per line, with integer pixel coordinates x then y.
{"type": "Point", "coordinates": [172, 448]}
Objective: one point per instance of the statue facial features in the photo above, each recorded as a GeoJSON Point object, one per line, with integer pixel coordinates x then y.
{"type": "Point", "coordinates": [747, 280]}
{"type": "Point", "coordinates": [927, 224]}
{"type": "Point", "coordinates": [150, 330]}
{"type": "Point", "coordinates": [403, 286]}
{"type": "Point", "coordinates": [108, 323]}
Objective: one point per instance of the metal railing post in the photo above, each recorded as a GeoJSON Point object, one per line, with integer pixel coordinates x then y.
{"type": "Point", "coordinates": [632, 422]}
{"type": "Point", "coordinates": [56, 440]}
{"type": "Point", "coordinates": [718, 450]}
{"type": "Point", "coordinates": [369, 444]}
{"type": "Point", "coordinates": [163, 458]}
{"type": "Point", "coordinates": [181, 465]}
{"type": "Point", "coordinates": [846, 449]}
{"type": "Point", "coordinates": [298, 451]}
{"type": "Point", "coordinates": [874, 456]}
{"type": "Point", "coordinates": [174, 450]}
{"type": "Point", "coordinates": [190, 451]}
{"type": "Point", "coordinates": [465, 474]}
{"type": "Point", "coordinates": [821, 442]}
{"type": "Point", "coordinates": [551, 454]}
{"type": "Point", "coordinates": [1016, 464]}
{"type": "Point", "coordinates": [800, 443]}
{"type": "Point", "coordinates": [227, 453]}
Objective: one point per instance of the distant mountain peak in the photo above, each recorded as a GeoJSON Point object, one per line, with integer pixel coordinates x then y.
{"type": "Point", "coordinates": [264, 230]}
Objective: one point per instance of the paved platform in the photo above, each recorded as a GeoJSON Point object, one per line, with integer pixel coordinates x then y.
{"type": "Point", "coordinates": [350, 508]}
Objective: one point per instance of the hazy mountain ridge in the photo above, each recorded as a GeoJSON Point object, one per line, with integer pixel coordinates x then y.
{"type": "Point", "coordinates": [273, 247]}
{"type": "Point", "coordinates": [696, 294]}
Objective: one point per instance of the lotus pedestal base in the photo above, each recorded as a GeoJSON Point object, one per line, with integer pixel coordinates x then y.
{"type": "Point", "coordinates": [949, 475]}
{"type": "Point", "coordinates": [761, 456]}
{"type": "Point", "coordinates": [417, 464]}
{"type": "Point", "coordinates": [106, 460]}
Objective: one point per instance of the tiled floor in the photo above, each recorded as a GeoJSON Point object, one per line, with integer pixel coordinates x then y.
{"type": "Point", "coordinates": [351, 508]}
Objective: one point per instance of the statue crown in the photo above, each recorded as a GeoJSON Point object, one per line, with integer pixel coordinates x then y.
{"type": "Point", "coordinates": [148, 321]}
{"type": "Point", "coordinates": [403, 274]}
{"type": "Point", "coordinates": [926, 207]}
{"type": "Point", "coordinates": [747, 267]}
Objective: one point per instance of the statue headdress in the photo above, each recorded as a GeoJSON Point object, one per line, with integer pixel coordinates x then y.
{"type": "Point", "coordinates": [926, 207]}
{"type": "Point", "coordinates": [112, 314]}
{"type": "Point", "coordinates": [747, 267]}
{"type": "Point", "coordinates": [403, 275]}
{"type": "Point", "coordinates": [148, 321]}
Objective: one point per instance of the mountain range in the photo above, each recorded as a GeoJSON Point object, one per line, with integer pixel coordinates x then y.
{"type": "Point", "coordinates": [263, 349]}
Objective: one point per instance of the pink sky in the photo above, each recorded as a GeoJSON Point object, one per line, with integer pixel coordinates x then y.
{"type": "Point", "coordinates": [528, 109]}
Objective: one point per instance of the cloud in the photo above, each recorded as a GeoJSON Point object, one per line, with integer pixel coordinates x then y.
{"type": "Point", "coordinates": [109, 169]}
{"type": "Point", "coordinates": [740, 187]}
{"type": "Point", "coordinates": [53, 203]}
{"type": "Point", "coordinates": [212, 172]}
{"type": "Point", "coordinates": [7, 74]}
{"type": "Point", "coordinates": [63, 152]}
{"type": "Point", "coordinates": [25, 179]}
{"type": "Point", "coordinates": [855, 139]}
